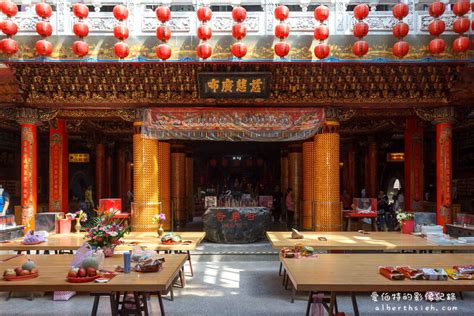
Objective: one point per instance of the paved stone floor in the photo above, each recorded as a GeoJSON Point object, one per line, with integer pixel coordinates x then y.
{"type": "Point", "coordinates": [230, 280]}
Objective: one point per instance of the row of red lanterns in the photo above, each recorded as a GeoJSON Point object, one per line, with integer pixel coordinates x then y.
{"type": "Point", "coordinates": [321, 32]}
{"type": "Point", "coordinates": [44, 29]}
{"type": "Point", "coordinates": [8, 26]}
{"type": "Point", "coordinates": [204, 32]}
{"type": "Point", "coordinates": [461, 26]}
{"type": "Point", "coordinates": [80, 29]}
{"type": "Point", "coordinates": [163, 33]}
{"type": "Point", "coordinates": [360, 30]}
{"type": "Point", "coordinates": [239, 31]}
{"type": "Point", "coordinates": [400, 30]}
{"type": "Point", "coordinates": [282, 31]}
{"type": "Point", "coordinates": [121, 32]}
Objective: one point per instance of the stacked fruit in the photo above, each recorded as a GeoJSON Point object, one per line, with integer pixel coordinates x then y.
{"type": "Point", "coordinates": [28, 268]}
{"type": "Point", "coordinates": [89, 268]}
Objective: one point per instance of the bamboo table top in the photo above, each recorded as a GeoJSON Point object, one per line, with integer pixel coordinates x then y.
{"type": "Point", "coordinates": [375, 241]}
{"type": "Point", "coordinates": [359, 272]}
{"type": "Point", "coordinates": [73, 241]}
{"type": "Point", "coordinates": [53, 271]}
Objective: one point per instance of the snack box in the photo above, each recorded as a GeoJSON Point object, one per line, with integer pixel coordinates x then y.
{"type": "Point", "coordinates": [434, 274]}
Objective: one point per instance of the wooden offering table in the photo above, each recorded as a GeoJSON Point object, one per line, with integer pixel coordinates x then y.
{"type": "Point", "coordinates": [353, 273]}
{"type": "Point", "coordinates": [355, 241]}
{"type": "Point", "coordinates": [54, 269]}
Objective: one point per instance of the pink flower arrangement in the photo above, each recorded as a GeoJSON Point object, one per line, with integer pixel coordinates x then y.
{"type": "Point", "coordinates": [108, 232]}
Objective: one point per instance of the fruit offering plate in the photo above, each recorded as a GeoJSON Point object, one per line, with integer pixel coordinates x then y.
{"type": "Point", "coordinates": [21, 277]}
{"type": "Point", "coordinates": [171, 242]}
{"type": "Point", "coordinates": [83, 279]}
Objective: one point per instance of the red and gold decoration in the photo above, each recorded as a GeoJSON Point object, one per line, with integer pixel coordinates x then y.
{"type": "Point", "coordinates": [28, 175]}
{"type": "Point", "coordinates": [413, 165]}
{"type": "Point", "coordinates": [400, 30]}
{"type": "Point", "coordinates": [444, 173]}
{"type": "Point", "coordinates": [81, 29]}
{"type": "Point", "coordinates": [44, 29]}
{"type": "Point", "coordinates": [436, 28]}
{"type": "Point", "coordinates": [321, 32]}
{"type": "Point", "coordinates": [360, 30]}
{"type": "Point", "coordinates": [204, 32]}
{"type": "Point", "coordinates": [58, 168]}
{"type": "Point", "coordinates": [461, 26]}
{"type": "Point", "coordinates": [239, 31]}
{"type": "Point", "coordinates": [8, 45]}
{"type": "Point", "coordinates": [121, 48]}
{"type": "Point", "coordinates": [282, 31]}
{"type": "Point", "coordinates": [163, 33]}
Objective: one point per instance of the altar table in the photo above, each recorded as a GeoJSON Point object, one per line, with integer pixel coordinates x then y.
{"type": "Point", "coordinates": [53, 271]}
{"type": "Point", "coordinates": [336, 273]}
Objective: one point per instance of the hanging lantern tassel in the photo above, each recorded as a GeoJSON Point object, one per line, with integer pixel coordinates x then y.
{"type": "Point", "coordinates": [9, 27]}
{"type": "Point", "coordinates": [461, 25]}
{"type": "Point", "coordinates": [239, 31]}
{"type": "Point", "coordinates": [204, 33]}
{"type": "Point", "coordinates": [321, 32]}
{"type": "Point", "coordinates": [282, 31]}
{"type": "Point", "coordinates": [80, 48]}
{"type": "Point", "coordinates": [163, 33]}
{"type": "Point", "coordinates": [121, 32]}
{"type": "Point", "coordinates": [360, 30]}
{"type": "Point", "coordinates": [401, 48]}
{"type": "Point", "coordinates": [436, 28]}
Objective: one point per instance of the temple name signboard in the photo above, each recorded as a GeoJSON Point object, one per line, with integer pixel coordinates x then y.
{"type": "Point", "coordinates": [219, 85]}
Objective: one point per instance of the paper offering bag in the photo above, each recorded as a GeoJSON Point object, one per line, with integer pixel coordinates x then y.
{"type": "Point", "coordinates": [83, 252]}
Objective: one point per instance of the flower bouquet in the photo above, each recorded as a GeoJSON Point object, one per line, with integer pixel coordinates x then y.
{"type": "Point", "coordinates": [108, 232]}
{"type": "Point", "coordinates": [407, 220]}
{"type": "Point", "coordinates": [81, 217]}
{"type": "Point", "coordinates": [160, 220]}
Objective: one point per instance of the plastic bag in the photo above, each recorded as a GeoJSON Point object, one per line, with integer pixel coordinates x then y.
{"type": "Point", "coordinates": [83, 252]}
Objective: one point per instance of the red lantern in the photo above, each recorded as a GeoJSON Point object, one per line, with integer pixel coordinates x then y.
{"type": "Point", "coordinates": [121, 32]}
{"type": "Point", "coordinates": [44, 28]}
{"type": "Point", "coordinates": [321, 13]}
{"type": "Point", "coordinates": [204, 50]}
{"type": "Point", "coordinates": [360, 48]}
{"type": "Point", "coordinates": [400, 10]}
{"type": "Point", "coordinates": [321, 32]}
{"type": "Point", "coordinates": [9, 27]}
{"type": "Point", "coordinates": [321, 51]}
{"type": "Point", "coordinates": [120, 12]}
{"type": "Point", "coordinates": [163, 51]}
{"type": "Point", "coordinates": [400, 30]}
{"type": "Point", "coordinates": [436, 27]}
{"type": "Point", "coordinates": [10, 9]}
{"type": "Point", "coordinates": [43, 10]}
{"type": "Point", "coordinates": [80, 29]}
{"type": "Point", "coordinates": [461, 25]}
{"type": "Point", "coordinates": [361, 11]}
{"type": "Point", "coordinates": [461, 44]}
{"type": "Point", "coordinates": [163, 14]}
{"type": "Point", "coordinates": [400, 49]}
{"type": "Point", "coordinates": [44, 48]}
{"type": "Point", "coordinates": [282, 49]}
{"type": "Point", "coordinates": [361, 29]}
{"type": "Point", "coordinates": [204, 32]}
{"type": "Point", "coordinates": [239, 14]}
{"type": "Point", "coordinates": [239, 31]}
{"type": "Point", "coordinates": [204, 14]}
{"type": "Point", "coordinates": [80, 48]}
{"type": "Point", "coordinates": [461, 7]}
{"type": "Point", "coordinates": [121, 50]}
{"type": "Point", "coordinates": [9, 46]}
{"type": "Point", "coordinates": [436, 9]}
{"type": "Point", "coordinates": [282, 12]}
{"type": "Point", "coordinates": [80, 10]}
{"type": "Point", "coordinates": [437, 46]}
{"type": "Point", "coordinates": [163, 33]}
{"type": "Point", "coordinates": [239, 50]}
{"type": "Point", "coordinates": [282, 30]}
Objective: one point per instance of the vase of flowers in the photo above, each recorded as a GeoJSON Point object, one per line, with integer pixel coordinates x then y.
{"type": "Point", "coordinates": [160, 220]}
{"type": "Point", "coordinates": [81, 217]}
{"type": "Point", "coordinates": [407, 221]}
{"type": "Point", "coordinates": [107, 234]}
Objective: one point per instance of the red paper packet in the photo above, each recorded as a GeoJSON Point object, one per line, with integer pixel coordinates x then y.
{"type": "Point", "coordinates": [391, 273]}
{"type": "Point", "coordinates": [410, 273]}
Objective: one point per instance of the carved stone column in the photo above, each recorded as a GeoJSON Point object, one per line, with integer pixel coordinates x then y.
{"type": "Point", "coordinates": [28, 120]}
{"type": "Point", "coordinates": [58, 167]}
{"type": "Point", "coordinates": [414, 165]}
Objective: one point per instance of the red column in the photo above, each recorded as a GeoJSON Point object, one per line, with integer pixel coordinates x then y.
{"type": "Point", "coordinates": [351, 171]}
{"type": "Point", "coordinates": [108, 176]}
{"type": "Point", "coordinates": [443, 172]}
{"type": "Point", "coordinates": [28, 176]}
{"type": "Point", "coordinates": [121, 166]}
{"type": "Point", "coordinates": [99, 171]}
{"type": "Point", "coordinates": [58, 168]}
{"type": "Point", "coordinates": [413, 165]}
{"type": "Point", "coordinates": [372, 165]}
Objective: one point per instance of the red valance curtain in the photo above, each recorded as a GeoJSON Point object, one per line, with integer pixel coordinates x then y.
{"type": "Point", "coordinates": [232, 124]}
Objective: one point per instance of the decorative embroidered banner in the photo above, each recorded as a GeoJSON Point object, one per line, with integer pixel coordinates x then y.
{"type": "Point", "coordinates": [232, 124]}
